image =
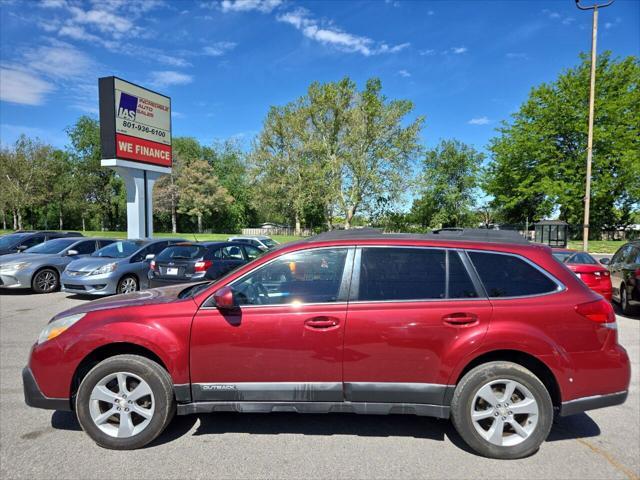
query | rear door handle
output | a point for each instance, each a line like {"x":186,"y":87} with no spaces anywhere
{"x":460,"y":318}
{"x":321,"y":323}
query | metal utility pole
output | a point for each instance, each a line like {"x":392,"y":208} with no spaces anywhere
{"x":592,"y":92}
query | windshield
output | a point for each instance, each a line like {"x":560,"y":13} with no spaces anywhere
{"x":182,"y":252}
{"x":120,"y":249}
{"x":269,"y":242}
{"x":52,"y":246}
{"x":7,"y":241}
{"x":194,"y":289}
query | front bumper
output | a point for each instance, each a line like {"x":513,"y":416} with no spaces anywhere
{"x":89,"y":284}
{"x":34,"y":397}
{"x":580,"y":405}
{"x":16,"y":279}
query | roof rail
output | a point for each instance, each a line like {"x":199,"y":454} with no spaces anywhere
{"x":462,"y":234}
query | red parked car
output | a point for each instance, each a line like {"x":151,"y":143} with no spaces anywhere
{"x":476,"y":326}
{"x":588,"y":269}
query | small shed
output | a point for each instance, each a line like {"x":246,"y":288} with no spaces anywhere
{"x":552,"y":232}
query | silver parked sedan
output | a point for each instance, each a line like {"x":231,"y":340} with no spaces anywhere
{"x":121,"y":267}
{"x":40,"y":267}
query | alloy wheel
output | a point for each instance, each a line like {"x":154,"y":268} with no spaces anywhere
{"x":46,"y":281}
{"x":504,"y":412}
{"x":121,"y":404}
{"x":128,"y":285}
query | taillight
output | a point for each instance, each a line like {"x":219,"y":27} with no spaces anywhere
{"x":152,"y":265}
{"x":203,"y":265}
{"x":637,"y":273}
{"x":599,"y":311}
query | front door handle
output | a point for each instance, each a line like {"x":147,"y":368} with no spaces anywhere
{"x":460,"y":318}
{"x":321,"y":323}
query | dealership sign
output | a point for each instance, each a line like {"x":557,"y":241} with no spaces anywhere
{"x":135,"y":123}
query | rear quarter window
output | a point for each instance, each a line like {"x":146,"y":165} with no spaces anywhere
{"x":510,"y":276}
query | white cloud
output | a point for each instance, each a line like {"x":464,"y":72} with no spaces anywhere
{"x":479,"y":121}
{"x":404,"y":73}
{"x":459,"y":50}
{"x":53,"y":3}
{"x":218,"y":49}
{"x":427,"y":52}
{"x":22,"y":87}
{"x":264,"y":6}
{"x":517,"y":56}
{"x":77,"y":33}
{"x":167,"y":78}
{"x":58,"y":60}
{"x":568,"y":20}
{"x":331,"y":35}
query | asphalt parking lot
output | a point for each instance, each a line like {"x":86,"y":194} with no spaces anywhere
{"x":45,"y":444}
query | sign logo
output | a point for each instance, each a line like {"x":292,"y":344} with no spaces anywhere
{"x":128,"y":106}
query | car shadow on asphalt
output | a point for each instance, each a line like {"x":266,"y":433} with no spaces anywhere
{"x":564,"y":428}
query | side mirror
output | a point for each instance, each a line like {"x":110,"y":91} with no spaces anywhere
{"x":150,"y":256}
{"x":605,"y":261}
{"x":71,"y":253}
{"x":224,"y":299}
{"x":21,"y":248}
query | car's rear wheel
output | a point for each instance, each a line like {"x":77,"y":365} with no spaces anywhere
{"x":502,"y":410}
{"x":128,"y":284}
{"x":125,"y":402}
{"x":624,"y":301}
{"x":45,"y":281}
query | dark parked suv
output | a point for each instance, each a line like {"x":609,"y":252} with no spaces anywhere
{"x":480,"y":327}
{"x":192,"y":262}
{"x":625,"y":276}
{"x":21,"y":240}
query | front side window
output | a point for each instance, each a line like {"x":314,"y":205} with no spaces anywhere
{"x":31,"y":242}
{"x":85,"y":248}
{"x":232,"y":252}
{"x":510,"y":276}
{"x":252,"y":252}
{"x":310,"y":276}
{"x":402,"y":274}
{"x":52,"y":246}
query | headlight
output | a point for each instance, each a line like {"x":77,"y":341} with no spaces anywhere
{"x":108,"y":268}
{"x":58,"y":326}
{"x":13,"y":267}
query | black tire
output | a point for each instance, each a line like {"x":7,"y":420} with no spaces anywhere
{"x":466,"y":391}
{"x":46,"y":280}
{"x":624,"y":301}
{"x":161,"y":386}
{"x":125,"y":281}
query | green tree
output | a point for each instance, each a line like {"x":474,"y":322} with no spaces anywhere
{"x":22,"y":170}
{"x":539,"y":157}
{"x":448,"y":186}
{"x":101,"y":189}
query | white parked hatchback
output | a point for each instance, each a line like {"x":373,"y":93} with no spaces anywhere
{"x":262,"y":242}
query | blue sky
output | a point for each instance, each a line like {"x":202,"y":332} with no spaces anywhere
{"x":465,"y":64}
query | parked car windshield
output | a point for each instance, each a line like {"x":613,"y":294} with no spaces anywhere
{"x":182,"y":252}
{"x":120,"y":249}
{"x":269,"y":242}
{"x":52,"y":246}
{"x":7,"y":241}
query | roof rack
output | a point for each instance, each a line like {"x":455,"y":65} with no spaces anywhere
{"x":462,"y":234}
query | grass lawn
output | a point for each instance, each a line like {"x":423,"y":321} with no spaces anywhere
{"x":201,"y":237}
{"x":598,"y":246}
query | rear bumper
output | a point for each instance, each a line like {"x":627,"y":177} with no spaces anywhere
{"x":580,"y":405}
{"x":163,"y":282}
{"x":34,"y":397}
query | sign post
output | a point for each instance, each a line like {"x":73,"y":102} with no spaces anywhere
{"x":135,"y":137}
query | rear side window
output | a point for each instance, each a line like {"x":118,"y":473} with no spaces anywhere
{"x":232,"y":252}
{"x":402,"y":274}
{"x":510,"y":276}
{"x":182,"y":252}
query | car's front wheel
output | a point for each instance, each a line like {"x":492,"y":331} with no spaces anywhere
{"x":45,"y":281}
{"x":128,"y":284}
{"x":502,"y":410}
{"x":125,"y":402}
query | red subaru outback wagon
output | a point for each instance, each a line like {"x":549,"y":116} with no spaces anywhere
{"x":478,"y":326}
